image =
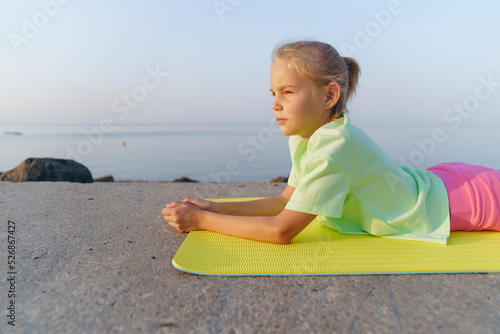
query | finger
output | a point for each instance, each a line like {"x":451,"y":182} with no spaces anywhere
{"x":167,"y":211}
{"x":169,"y":214}
{"x":174,"y":225}
{"x":181,"y":205}
{"x":173,"y":204}
{"x":177,"y":204}
{"x":193,"y":201}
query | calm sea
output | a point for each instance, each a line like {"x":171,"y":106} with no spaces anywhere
{"x":254,"y":153}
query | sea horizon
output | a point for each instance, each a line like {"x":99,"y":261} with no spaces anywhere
{"x":225,"y":152}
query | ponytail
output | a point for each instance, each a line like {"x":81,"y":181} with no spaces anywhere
{"x":353,"y":71}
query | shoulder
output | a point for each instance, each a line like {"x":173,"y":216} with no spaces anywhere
{"x":330,"y":137}
{"x":340,"y":136}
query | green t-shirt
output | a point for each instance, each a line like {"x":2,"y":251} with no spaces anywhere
{"x":342,"y":176}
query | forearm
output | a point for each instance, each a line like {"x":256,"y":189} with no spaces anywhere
{"x":269,"y":206}
{"x":266,"y":229}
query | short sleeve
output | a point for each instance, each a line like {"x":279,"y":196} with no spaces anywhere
{"x":322,"y":189}
{"x":293,"y":181}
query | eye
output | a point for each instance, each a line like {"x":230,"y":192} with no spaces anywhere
{"x":287,"y":92}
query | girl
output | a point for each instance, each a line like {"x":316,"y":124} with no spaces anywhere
{"x":339,"y":175}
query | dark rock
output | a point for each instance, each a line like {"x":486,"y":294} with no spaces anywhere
{"x":107,"y":178}
{"x":185,"y":179}
{"x":279,"y":179}
{"x":48,"y":169}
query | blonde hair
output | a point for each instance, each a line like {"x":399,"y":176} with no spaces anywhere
{"x":319,"y":63}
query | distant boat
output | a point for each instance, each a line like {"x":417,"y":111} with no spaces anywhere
{"x":13,"y":133}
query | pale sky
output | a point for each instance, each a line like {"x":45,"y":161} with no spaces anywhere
{"x":81,"y":61}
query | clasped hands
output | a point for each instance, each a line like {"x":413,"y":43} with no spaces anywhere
{"x":186,"y":216}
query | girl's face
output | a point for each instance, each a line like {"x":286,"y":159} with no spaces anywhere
{"x":297,"y":109}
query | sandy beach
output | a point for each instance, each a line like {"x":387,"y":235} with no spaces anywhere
{"x":95,"y":258}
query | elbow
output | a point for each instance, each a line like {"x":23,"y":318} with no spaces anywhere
{"x":283,"y":236}
{"x":282,"y":240}
{"x":285,"y":241}
{"x":284,"y":230}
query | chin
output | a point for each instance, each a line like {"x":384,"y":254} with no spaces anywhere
{"x":285,"y":132}
{"x":289,"y":132}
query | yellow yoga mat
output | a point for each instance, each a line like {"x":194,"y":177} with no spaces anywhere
{"x":318,"y":250}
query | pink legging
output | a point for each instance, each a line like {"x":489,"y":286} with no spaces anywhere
{"x":473,"y":194}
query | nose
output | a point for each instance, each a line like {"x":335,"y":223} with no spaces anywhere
{"x":276,"y":106}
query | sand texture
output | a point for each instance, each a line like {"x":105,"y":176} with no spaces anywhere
{"x":96,"y":258}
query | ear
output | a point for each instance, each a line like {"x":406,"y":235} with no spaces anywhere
{"x":332,"y":94}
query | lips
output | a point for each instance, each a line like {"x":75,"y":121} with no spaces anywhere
{"x":280,"y":120}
